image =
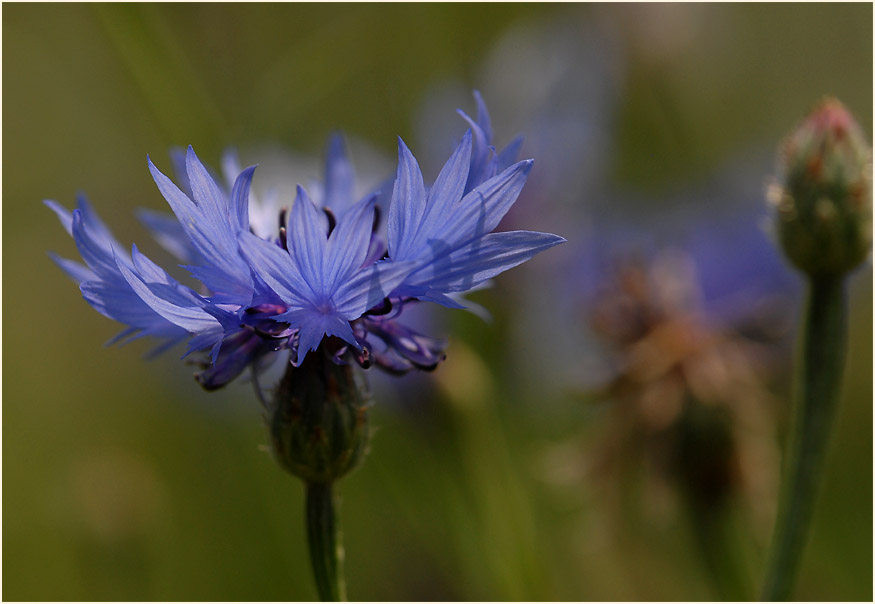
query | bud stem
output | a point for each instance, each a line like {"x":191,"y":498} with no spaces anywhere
{"x":819,"y":374}
{"x":324,"y":539}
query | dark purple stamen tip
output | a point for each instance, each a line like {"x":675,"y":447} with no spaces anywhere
{"x":383,"y":308}
{"x":283,"y":217}
{"x":364,"y":357}
{"x":284,"y":239}
{"x":332,"y":220}
{"x":377,"y":215}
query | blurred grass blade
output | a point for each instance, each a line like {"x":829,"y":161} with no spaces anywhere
{"x":169,"y":83}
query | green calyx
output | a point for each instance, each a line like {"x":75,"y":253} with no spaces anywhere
{"x":824,"y":203}
{"x":318,"y":421}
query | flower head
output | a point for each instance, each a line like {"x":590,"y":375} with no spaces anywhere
{"x":689,"y":398}
{"x":322,"y":274}
{"x":824,"y":201}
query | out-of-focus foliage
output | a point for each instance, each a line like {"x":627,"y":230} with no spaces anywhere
{"x":124,"y":480}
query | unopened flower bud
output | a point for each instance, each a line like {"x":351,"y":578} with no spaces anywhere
{"x":318,"y":420}
{"x":824,"y":202}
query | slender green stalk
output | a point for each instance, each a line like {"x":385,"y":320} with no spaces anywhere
{"x":824,"y":339}
{"x":323,"y":537}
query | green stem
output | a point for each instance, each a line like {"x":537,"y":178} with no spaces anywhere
{"x":819,"y":375}
{"x":323,"y":537}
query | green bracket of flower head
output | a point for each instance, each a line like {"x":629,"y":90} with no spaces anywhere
{"x":824,"y":204}
{"x":824,"y":224}
{"x":318,"y":421}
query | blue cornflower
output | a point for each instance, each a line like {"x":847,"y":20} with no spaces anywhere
{"x":324,"y":282}
{"x":323,"y":274}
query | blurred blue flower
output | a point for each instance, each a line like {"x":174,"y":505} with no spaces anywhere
{"x":321,"y":273}
{"x":719,"y":224}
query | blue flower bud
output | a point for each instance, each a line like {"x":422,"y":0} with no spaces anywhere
{"x":824,"y":201}
{"x":318,"y":420}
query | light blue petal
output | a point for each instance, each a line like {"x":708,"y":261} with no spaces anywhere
{"x":510,"y":153}
{"x":313,"y":326}
{"x":339,"y":177}
{"x":210,"y":231}
{"x":202,"y":341}
{"x":240,"y":199}
{"x":277,"y":269}
{"x":162,"y":347}
{"x":408,"y":202}
{"x":177,"y":163}
{"x":230,"y":166}
{"x":482,"y":259}
{"x":117,"y":301}
{"x":482,"y":209}
{"x":480,"y":155}
{"x":483,"y":117}
{"x":96,"y":251}
{"x":369,"y":286}
{"x":442,"y":197}
{"x":307,"y":240}
{"x":126,"y":335}
{"x":173,"y":304}
{"x":147,"y":270}
{"x":474,"y":308}
{"x":347,"y":245}
{"x":75,"y":270}
{"x":442,"y":299}
{"x":336,"y":326}
{"x":204,"y":190}
{"x":169,"y":234}
{"x":63,"y":213}
{"x":95,"y":225}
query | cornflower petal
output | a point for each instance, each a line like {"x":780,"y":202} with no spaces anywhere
{"x":482,"y":160}
{"x":483,"y":116}
{"x":468,"y":266}
{"x":347,"y":245}
{"x":117,"y":301}
{"x":207,"y":221}
{"x":408,"y":202}
{"x":339,"y":177}
{"x":230,"y":166}
{"x":75,"y":270}
{"x":205,"y":191}
{"x":307,"y":241}
{"x":313,"y":326}
{"x":100,"y":232}
{"x":483,"y":208}
{"x":485,"y":163}
{"x":370,"y":286}
{"x":168,"y":232}
{"x":240,"y":199}
{"x":443,"y":195}
{"x":96,"y":250}
{"x":168,"y":298}
{"x":64,"y":215}
{"x":276,"y":269}
{"x":509,"y":154}
{"x":101,"y":283}
{"x":177,"y":163}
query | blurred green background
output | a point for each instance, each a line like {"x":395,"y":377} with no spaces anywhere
{"x":124,"y":481}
